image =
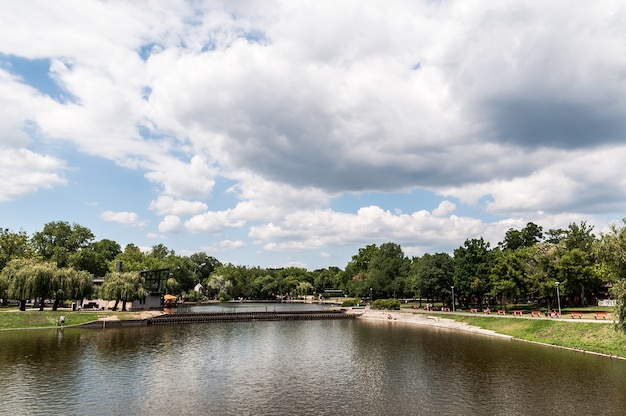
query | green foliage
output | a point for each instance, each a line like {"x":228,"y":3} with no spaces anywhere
{"x":434,"y":275}
{"x":390,"y":304}
{"x":13,"y":245}
{"x":472,"y":270}
{"x":527,"y":237}
{"x":349,"y":303}
{"x":618,"y":291}
{"x":124,"y":287}
{"x":32,"y":279}
{"x":59,"y":239}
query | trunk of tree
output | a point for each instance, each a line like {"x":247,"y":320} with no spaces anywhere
{"x":117,"y":301}
{"x":22,"y":304}
{"x":41,"y":304}
{"x":123,"y":305}
{"x":55,"y":305}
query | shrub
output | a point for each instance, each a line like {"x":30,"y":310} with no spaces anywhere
{"x":349,"y":302}
{"x":393,"y":304}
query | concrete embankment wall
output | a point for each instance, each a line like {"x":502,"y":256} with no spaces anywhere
{"x":188,"y":318}
{"x":192,"y":318}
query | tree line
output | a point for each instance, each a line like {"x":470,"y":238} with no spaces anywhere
{"x":60,"y":262}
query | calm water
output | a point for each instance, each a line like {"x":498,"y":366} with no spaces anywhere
{"x":345,"y":367}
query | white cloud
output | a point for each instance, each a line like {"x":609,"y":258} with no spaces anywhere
{"x":444,"y":209}
{"x":123,"y":217}
{"x":225,"y":245}
{"x":23,"y":172}
{"x":506,"y":107}
{"x":164,"y":205}
{"x":170,"y":224}
{"x":312,"y":230}
{"x":213,"y":222}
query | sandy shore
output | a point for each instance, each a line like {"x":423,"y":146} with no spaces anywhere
{"x":425,"y":319}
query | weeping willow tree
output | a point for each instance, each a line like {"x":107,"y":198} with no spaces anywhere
{"x":124,"y":287}
{"x":13,"y":280}
{"x":24,"y":279}
{"x":70,"y":283}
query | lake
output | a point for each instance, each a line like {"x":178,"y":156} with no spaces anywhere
{"x":343,"y":367}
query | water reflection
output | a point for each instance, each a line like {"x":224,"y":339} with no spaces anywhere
{"x":299,"y":367}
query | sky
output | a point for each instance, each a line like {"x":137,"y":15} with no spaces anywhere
{"x":293,"y":133}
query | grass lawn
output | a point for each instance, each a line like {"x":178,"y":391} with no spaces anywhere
{"x":594,"y":337}
{"x":13,"y":319}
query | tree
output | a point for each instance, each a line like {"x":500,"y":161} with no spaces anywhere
{"x":530,"y":235}
{"x":203,"y":265}
{"x":124,"y":287}
{"x":356,"y":271}
{"x":434,"y":275}
{"x":611,"y":251}
{"x":24,"y":279}
{"x":618,"y":291}
{"x":132,"y":259}
{"x":388,"y":270}
{"x":59,"y":239}
{"x":13,"y":245}
{"x":14,"y":280}
{"x":472,"y":270}
{"x":70,"y":283}
{"x":220,"y":285}
{"x":97,"y":258}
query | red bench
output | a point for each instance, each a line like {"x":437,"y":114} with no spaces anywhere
{"x":501,"y":312}
{"x":554,"y":314}
{"x":602,"y":315}
{"x":576,"y":315}
{"x":473,"y":310}
{"x":535,"y":314}
{"x":446,"y":309}
{"x":517,"y":313}
{"x":487,"y":311}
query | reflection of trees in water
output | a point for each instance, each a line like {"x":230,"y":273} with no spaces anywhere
{"x":48,"y":352}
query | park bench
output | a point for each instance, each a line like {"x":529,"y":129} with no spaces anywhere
{"x":501,"y":312}
{"x":602,"y":315}
{"x":446,"y":309}
{"x":517,"y":313}
{"x":554,"y":314}
{"x":535,"y":314}
{"x":577,"y":315}
{"x":487,"y":311}
{"x":474,"y":310}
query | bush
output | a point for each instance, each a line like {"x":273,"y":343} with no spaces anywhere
{"x":223,"y":297}
{"x":393,"y":304}
{"x":349,"y":302}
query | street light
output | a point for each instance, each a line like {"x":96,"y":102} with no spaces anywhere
{"x":371,"y":296}
{"x":452,"y":298}
{"x":558,"y":297}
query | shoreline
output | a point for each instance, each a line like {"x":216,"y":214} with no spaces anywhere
{"x":428,"y":320}
{"x":412,"y":318}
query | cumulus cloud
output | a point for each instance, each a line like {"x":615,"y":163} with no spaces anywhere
{"x":312,"y":230}
{"x":165,"y":204}
{"x":509,"y":108}
{"x":170,"y":224}
{"x":225,"y":245}
{"x":123,"y":217}
{"x":23,"y":172}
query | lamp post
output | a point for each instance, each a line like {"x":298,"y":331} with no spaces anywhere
{"x":452,"y":298}
{"x":371,"y":296}
{"x":558,"y":297}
